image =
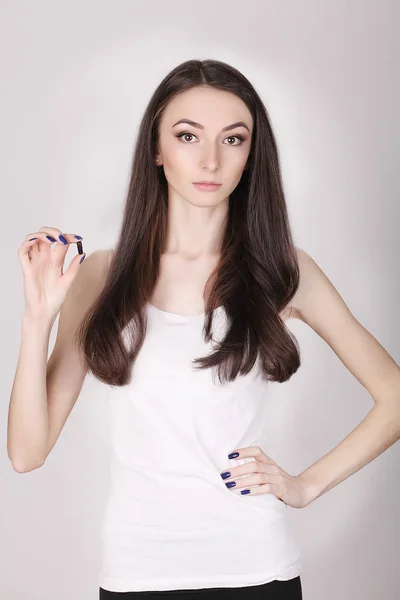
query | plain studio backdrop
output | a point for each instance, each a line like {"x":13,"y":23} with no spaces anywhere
{"x":75,"y":80}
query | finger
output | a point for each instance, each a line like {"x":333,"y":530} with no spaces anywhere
{"x":61,"y":248}
{"x":30,"y":244}
{"x":72,"y":238}
{"x":276,"y":489}
{"x":41,"y":241}
{"x":59,"y":236}
{"x":265,"y":488}
{"x":259,"y":470}
{"x":250,"y":452}
{"x":254,"y":479}
{"x":54,"y":234}
{"x":73,"y":267}
{"x":253,"y":466}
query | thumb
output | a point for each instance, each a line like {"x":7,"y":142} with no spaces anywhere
{"x":74,"y":266}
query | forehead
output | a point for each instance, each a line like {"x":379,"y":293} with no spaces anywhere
{"x":211,"y":107}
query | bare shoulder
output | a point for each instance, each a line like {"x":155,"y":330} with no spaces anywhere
{"x":92,"y":275}
{"x":289,"y":311}
{"x":317,"y":302}
{"x":104,"y":256}
{"x":108,"y":254}
{"x":311,"y":277}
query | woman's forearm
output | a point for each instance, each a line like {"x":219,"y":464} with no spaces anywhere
{"x":28,"y":415}
{"x":376,"y":432}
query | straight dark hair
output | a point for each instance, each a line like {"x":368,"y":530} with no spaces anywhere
{"x":257,"y":274}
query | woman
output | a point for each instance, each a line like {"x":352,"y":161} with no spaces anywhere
{"x":188,"y":329}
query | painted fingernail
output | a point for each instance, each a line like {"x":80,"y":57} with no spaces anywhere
{"x":225,"y":475}
{"x":50,"y":238}
{"x":230,"y":484}
{"x":78,"y":237}
{"x":245,"y":492}
{"x":82,"y":259}
{"x":233,"y":455}
{"x":62,"y":238}
{"x":32,"y":239}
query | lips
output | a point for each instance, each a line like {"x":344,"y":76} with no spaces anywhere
{"x":207,"y":186}
{"x":208,"y":181}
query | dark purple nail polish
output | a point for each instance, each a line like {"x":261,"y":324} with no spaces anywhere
{"x":50,"y":238}
{"x":62,"y":238}
{"x":32,"y":239}
{"x":230,"y":484}
{"x":78,"y":237}
{"x":225,"y":475}
{"x":82,"y":259}
{"x":233,"y":455}
{"x":245,"y":492}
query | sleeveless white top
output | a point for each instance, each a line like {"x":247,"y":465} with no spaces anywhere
{"x":170,"y":521}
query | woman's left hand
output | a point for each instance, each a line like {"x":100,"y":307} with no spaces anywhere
{"x":269,"y":478}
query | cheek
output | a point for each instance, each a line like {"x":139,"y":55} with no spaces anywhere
{"x":175,"y":170}
{"x":234,"y":159}
{"x":176,"y":158}
{"x":238,"y":166}
{"x":241,"y":160}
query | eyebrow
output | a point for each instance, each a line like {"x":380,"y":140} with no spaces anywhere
{"x":199,"y":126}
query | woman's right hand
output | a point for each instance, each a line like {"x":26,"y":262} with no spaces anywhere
{"x":45,"y":284}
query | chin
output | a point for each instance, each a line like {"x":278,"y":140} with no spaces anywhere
{"x":206,"y":201}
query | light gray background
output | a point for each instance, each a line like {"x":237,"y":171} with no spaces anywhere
{"x":75,"y":79}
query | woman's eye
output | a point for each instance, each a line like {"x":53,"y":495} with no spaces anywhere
{"x":238,"y":137}
{"x":180,"y":136}
{"x":231,"y":137}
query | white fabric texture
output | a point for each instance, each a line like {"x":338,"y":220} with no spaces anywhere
{"x":170,"y":521}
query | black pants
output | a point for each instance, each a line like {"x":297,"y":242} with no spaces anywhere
{"x":273,"y":590}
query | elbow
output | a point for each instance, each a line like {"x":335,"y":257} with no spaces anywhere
{"x":25,"y":468}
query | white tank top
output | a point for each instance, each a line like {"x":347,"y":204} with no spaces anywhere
{"x":170,"y":521}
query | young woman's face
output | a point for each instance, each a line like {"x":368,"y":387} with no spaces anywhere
{"x":201,"y":150}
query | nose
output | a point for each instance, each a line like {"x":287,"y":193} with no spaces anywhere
{"x":210,"y":158}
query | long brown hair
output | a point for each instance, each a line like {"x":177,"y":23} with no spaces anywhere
{"x":257,"y":274}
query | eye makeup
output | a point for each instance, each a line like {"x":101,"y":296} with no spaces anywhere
{"x":237,"y":135}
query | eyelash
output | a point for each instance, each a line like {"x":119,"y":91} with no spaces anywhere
{"x":240,"y":137}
